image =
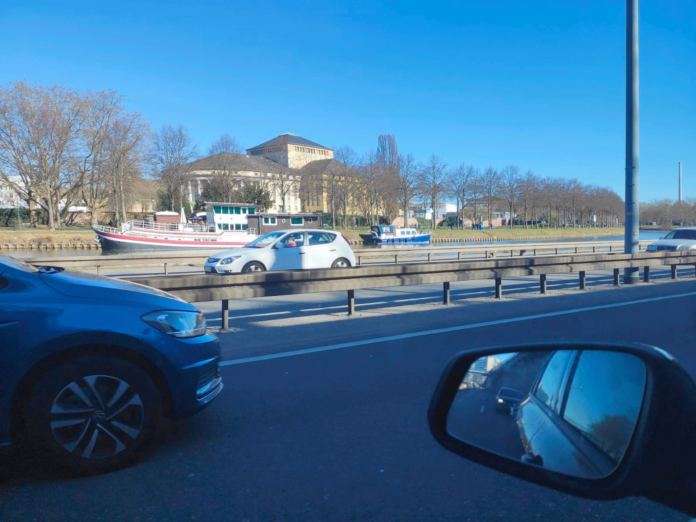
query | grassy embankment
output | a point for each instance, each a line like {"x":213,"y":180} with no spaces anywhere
{"x":42,"y":235}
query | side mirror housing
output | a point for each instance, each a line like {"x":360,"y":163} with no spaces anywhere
{"x":606,"y":420}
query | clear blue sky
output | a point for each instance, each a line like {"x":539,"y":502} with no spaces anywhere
{"x":488,"y":82}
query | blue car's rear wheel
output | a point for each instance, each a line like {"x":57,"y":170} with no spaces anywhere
{"x":94,"y":413}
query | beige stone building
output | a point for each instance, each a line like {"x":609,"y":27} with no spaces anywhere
{"x":291,"y":150}
{"x":278,"y":165}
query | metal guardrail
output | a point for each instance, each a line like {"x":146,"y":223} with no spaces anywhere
{"x":390,"y":254}
{"x":202,"y":288}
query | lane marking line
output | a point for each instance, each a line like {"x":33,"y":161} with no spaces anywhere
{"x":450,"y":329}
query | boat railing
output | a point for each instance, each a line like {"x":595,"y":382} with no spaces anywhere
{"x":153,"y":226}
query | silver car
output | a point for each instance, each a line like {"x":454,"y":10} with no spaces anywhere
{"x":677,"y":239}
{"x":286,"y":250}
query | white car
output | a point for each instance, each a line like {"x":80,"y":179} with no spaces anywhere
{"x":286,"y":250}
{"x":677,"y":239}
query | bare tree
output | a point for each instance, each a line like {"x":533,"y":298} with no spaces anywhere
{"x":224,"y":156}
{"x":369,"y":187}
{"x":476,"y":186}
{"x":490,"y":182}
{"x":127,"y":148}
{"x":97,"y":136}
{"x":283,"y":182}
{"x":173,"y":151}
{"x":459,"y":180}
{"x":510,"y":188}
{"x":39,"y":134}
{"x":409,"y":177}
{"x":388,"y":162}
{"x":348,"y":160}
{"x":432,"y":184}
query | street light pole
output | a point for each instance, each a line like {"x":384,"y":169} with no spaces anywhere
{"x":631,"y":275}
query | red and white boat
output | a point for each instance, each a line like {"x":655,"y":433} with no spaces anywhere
{"x":224,"y":227}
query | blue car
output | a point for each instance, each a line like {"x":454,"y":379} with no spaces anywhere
{"x":91,"y":366}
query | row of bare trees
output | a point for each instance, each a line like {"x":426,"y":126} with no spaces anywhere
{"x":386,"y":183}
{"x":667,"y":213}
{"x":60,"y":146}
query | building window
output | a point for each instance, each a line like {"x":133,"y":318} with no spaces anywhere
{"x":245,"y":226}
{"x":217,"y":210}
{"x":252,"y":210}
{"x":225,"y":210}
{"x":269,"y":221}
{"x":225,"y":226}
{"x":237,"y":210}
{"x":244,"y":210}
{"x":238,"y":226}
{"x":219,"y":226}
{"x":296,"y":220}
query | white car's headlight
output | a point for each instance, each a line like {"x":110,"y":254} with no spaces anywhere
{"x":228,"y":260}
{"x":177,"y":324}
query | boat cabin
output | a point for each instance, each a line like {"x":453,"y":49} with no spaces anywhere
{"x":266,"y":222}
{"x":229,"y":217}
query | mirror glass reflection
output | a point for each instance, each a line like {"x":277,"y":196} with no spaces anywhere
{"x":569,"y":411}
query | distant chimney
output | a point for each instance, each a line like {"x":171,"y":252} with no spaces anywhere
{"x":680,"y":183}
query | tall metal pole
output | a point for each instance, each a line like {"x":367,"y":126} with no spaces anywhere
{"x":680,"y":183}
{"x":631,"y":275}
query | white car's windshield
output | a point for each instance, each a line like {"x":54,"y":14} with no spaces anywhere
{"x":681,"y":234}
{"x":264,"y":241}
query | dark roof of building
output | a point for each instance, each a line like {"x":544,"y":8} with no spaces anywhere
{"x":288,"y":139}
{"x":320,"y":167}
{"x":232,"y":161}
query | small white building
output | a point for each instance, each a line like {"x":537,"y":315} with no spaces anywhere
{"x":441,"y":211}
{"x":8,"y":197}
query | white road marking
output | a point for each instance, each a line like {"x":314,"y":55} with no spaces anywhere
{"x":450,"y":329}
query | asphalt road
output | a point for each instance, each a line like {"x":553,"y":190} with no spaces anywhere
{"x":324,"y":417}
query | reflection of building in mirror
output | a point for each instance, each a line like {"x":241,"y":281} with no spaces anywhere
{"x":476,"y":376}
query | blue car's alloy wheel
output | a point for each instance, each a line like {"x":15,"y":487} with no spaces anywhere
{"x":93,"y":413}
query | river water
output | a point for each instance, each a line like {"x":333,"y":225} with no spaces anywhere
{"x":644,"y":235}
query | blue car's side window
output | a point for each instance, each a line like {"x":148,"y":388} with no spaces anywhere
{"x":547,"y":391}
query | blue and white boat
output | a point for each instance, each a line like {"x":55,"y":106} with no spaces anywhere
{"x":390,"y":234}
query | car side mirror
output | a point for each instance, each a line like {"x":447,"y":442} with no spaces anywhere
{"x":600,"y":421}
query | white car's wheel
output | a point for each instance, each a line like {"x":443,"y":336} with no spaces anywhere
{"x":254,"y":267}
{"x":341,"y":262}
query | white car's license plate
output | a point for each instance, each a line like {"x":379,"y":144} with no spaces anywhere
{"x":208,"y":268}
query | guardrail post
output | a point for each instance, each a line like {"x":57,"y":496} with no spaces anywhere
{"x":556,"y":251}
{"x":498,"y":287}
{"x":446,"y":293}
{"x":646,"y":274}
{"x":594,"y":249}
{"x":535,"y":252}
{"x":225,"y":315}
{"x":458,"y":258}
{"x":542,"y":283}
{"x":616,"y":277}
{"x":428,"y":257}
{"x":582,"y":279}
{"x":97,"y":269}
{"x":576,"y":250}
{"x":396,"y":259}
{"x":358,"y":260}
{"x":351,"y":302}
{"x":165,"y":268}
{"x":674,"y":271}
